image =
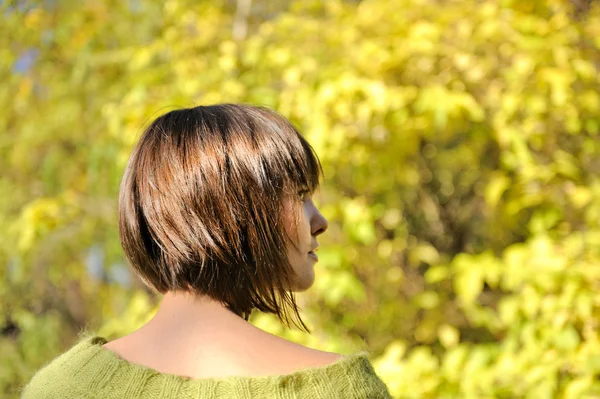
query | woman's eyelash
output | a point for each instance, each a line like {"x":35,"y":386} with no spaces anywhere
{"x":302,"y":193}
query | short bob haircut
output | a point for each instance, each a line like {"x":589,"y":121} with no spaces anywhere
{"x":201,"y":206}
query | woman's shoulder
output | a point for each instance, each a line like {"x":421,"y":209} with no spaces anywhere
{"x":273,"y":355}
{"x":308,"y":372}
{"x":51,"y":380}
{"x":338,"y":376}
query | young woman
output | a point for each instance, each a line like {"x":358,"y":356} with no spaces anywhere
{"x":216,"y":214}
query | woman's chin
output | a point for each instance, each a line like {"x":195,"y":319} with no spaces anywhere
{"x":304,"y":282}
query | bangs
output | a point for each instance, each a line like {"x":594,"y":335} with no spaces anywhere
{"x":305,"y":168}
{"x":291,"y":159}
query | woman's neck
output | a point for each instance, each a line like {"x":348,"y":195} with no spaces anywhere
{"x":183,"y":311}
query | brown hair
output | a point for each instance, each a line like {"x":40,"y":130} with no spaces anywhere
{"x":201,"y":205}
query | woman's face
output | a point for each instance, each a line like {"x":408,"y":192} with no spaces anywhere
{"x":302,"y":243}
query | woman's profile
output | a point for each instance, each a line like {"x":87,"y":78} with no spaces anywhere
{"x":216,"y":214}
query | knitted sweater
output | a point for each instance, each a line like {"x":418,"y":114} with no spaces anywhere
{"x":90,"y":371}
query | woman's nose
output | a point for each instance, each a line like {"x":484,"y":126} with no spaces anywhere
{"x":319,"y":223}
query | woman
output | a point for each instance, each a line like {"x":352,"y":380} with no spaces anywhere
{"x":216,"y":214}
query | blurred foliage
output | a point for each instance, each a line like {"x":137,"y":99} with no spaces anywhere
{"x":461,"y":146}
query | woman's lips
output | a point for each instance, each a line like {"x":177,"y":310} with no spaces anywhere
{"x":313,"y":254}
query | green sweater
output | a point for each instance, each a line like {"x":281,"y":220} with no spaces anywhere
{"x":90,"y":371}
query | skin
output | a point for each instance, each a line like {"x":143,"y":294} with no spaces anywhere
{"x":200,"y":338}
{"x":303,"y":233}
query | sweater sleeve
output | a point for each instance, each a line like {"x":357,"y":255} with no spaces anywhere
{"x":44,"y":385}
{"x":364,"y":383}
{"x":54,"y":381}
{"x":351,"y":378}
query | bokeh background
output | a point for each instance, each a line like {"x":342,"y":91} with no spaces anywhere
{"x":461,"y":146}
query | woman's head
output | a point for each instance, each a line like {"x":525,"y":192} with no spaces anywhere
{"x":215,"y":200}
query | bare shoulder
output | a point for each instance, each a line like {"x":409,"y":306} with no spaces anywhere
{"x":318,"y":358}
{"x":280,"y":356}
